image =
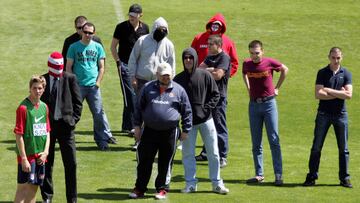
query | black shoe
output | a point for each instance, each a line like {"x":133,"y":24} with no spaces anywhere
{"x":278,"y":180}
{"x":346,"y":183}
{"x":309,"y":181}
{"x":112,"y":140}
{"x":104,"y":148}
{"x":200,"y":157}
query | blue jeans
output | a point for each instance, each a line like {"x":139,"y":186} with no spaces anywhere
{"x":322,"y":125}
{"x":102,"y":131}
{"x":219,"y":116}
{"x":260,"y":113}
{"x":128,"y":96}
{"x":209,"y":137}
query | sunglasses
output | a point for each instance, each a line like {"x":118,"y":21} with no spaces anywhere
{"x":88,"y":33}
{"x":338,"y":58}
{"x":255,"y":53}
{"x":79,"y":28}
{"x":188,"y":57}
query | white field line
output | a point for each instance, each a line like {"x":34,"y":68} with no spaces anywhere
{"x":118,"y":10}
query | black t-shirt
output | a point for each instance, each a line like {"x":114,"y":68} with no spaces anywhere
{"x":220,"y":60}
{"x":327,"y":78}
{"x":127,"y":37}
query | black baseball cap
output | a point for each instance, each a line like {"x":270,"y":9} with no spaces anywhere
{"x":135,"y":9}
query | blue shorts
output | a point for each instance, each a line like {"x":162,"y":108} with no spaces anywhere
{"x":35,"y":177}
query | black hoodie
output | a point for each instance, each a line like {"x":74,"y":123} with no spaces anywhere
{"x":200,"y":87}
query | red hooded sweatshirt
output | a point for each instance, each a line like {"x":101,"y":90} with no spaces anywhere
{"x":200,"y":43}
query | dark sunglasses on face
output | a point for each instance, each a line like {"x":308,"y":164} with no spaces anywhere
{"x":79,"y":28}
{"x":188,"y":57}
{"x":255,"y":53}
{"x":88,"y":33}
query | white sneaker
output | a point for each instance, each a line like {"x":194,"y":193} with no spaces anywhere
{"x":161,"y":194}
{"x":189,"y":189}
{"x":221,"y":189}
{"x":135,"y":146}
{"x":179,"y":147}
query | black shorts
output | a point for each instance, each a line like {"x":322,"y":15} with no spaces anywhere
{"x":35,"y":177}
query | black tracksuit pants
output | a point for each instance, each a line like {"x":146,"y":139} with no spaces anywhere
{"x":153,"y":141}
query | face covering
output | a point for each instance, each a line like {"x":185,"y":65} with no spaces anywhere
{"x":215,"y":28}
{"x":159,"y":34}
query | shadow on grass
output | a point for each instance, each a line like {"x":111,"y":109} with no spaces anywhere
{"x":94,"y":148}
{"x":6,"y":201}
{"x":115,"y":133}
{"x":289,"y":185}
{"x":113,"y":194}
{"x":8,"y":141}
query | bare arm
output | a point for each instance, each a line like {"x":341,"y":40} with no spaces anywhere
{"x":114,"y":44}
{"x":21,"y":146}
{"x":283,"y":72}
{"x":69,"y":65}
{"x":344,"y":93}
{"x":101,"y":65}
{"x":217,"y":73}
{"x":44,"y":154}
{"x":320,"y":93}
{"x":246,"y":81}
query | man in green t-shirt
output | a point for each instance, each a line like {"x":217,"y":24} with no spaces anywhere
{"x":32,"y":141}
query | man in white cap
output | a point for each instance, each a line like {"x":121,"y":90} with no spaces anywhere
{"x":160,"y":106}
{"x":62,"y":95}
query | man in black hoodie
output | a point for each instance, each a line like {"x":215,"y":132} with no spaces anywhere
{"x":203,"y":94}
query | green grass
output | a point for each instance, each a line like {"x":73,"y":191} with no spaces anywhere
{"x":298,"y":33}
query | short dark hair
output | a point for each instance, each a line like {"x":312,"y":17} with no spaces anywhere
{"x":255,"y":43}
{"x":335,"y":49}
{"x":89,"y":24}
{"x":216,"y":39}
{"x":80,"y":19}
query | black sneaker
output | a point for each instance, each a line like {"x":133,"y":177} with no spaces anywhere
{"x":112,"y":140}
{"x":346,"y":183}
{"x":310,"y":181}
{"x":200,"y":157}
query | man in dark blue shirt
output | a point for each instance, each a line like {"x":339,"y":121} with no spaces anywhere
{"x":333,"y":87}
{"x":160,"y":106}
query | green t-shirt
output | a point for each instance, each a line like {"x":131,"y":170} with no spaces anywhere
{"x":86,"y":59}
{"x":35,"y":132}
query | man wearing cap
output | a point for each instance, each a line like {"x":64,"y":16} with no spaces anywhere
{"x":62,"y":95}
{"x":86,"y":59}
{"x":125,"y":36}
{"x":258,"y":77}
{"x":160,"y":106}
{"x":79,"y":23}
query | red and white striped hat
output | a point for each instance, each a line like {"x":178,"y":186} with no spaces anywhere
{"x":56,"y":64}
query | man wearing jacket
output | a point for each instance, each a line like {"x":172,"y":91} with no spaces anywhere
{"x":160,"y":106}
{"x":149,"y":51}
{"x":62,"y":95}
{"x":216,"y":26}
{"x":203,"y":94}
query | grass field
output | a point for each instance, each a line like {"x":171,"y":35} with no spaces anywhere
{"x":298,"y":33}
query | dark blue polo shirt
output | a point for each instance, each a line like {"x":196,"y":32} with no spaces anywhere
{"x":336,"y":81}
{"x":127,"y":37}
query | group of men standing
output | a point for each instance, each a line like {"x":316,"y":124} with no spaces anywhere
{"x":156,"y":99}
